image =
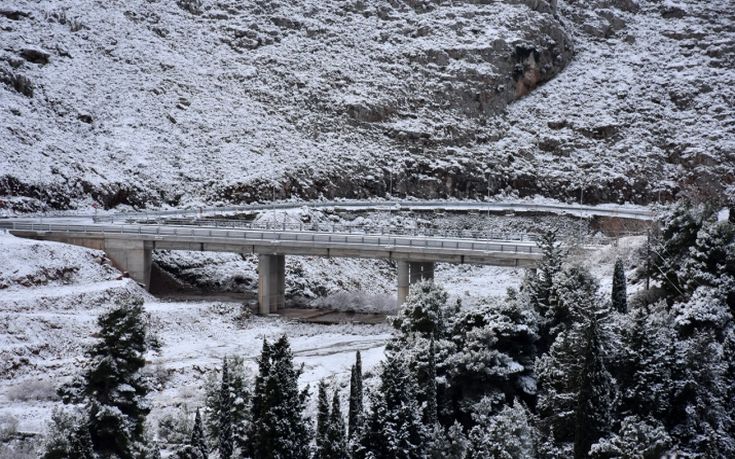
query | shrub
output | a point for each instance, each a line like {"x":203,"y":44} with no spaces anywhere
{"x":192,"y":6}
{"x":32,"y":391}
{"x":20,"y":83}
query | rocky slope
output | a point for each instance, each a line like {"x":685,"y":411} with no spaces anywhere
{"x":150,"y":103}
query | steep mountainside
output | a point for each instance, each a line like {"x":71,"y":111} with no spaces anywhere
{"x":179,"y":102}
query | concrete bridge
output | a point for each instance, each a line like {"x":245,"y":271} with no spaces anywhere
{"x":129,"y":246}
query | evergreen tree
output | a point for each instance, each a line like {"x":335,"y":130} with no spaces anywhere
{"x":234,"y":398}
{"x":596,"y":392}
{"x":335,"y":446}
{"x":637,"y":438}
{"x":68,"y":437}
{"x":430,"y":411}
{"x":508,"y":434}
{"x":198,"y":439}
{"x":647,"y":361}
{"x":258,"y":434}
{"x":356,"y":408}
{"x":450,"y":443}
{"x":225,"y":443}
{"x":669,"y":251}
{"x":540,"y":285}
{"x":425,"y":313}
{"x":322,"y":420}
{"x":393,"y":428}
{"x":278,"y":427}
{"x":573,"y":379}
{"x":710,"y":261}
{"x":619,"y":288}
{"x":492,"y":355}
{"x":704,"y":419}
{"x":114,"y":384}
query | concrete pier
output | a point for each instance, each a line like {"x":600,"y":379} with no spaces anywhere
{"x":271,"y":283}
{"x":411,"y":272}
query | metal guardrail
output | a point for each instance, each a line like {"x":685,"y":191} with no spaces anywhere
{"x":277,"y":236}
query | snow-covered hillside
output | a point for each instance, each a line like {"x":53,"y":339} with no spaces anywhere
{"x":165,"y":102}
{"x":51,"y":296}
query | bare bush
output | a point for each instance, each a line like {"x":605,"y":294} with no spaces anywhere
{"x":8,"y":427}
{"x":32,"y":391}
{"x":74,"y":23}
{"x":175,"y":428}
{"x":357,"y":302}
{"x":192,"y":6}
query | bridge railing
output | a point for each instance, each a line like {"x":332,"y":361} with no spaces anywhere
{"x":157,"y":232}
{"x":341,"y":228}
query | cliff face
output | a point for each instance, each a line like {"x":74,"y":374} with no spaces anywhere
{"x":150,"y":103}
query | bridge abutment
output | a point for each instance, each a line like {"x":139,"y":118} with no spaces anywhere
{"x":271,"y":283}
{"x":131,"y":256}
{"x":409,"y":273}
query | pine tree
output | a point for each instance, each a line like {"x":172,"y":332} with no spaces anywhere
{"x":596,"y":392}
{"x":619,"y":289}
{"x":114,"y":384}
{"x":394,"y":428}
{"x":430,"y":412}
{"x":225,"y":443}
{"x":573,"y":380}
{"x":491,"y":354}
{"x":425,"y":313}
{"x":671,"y":249}
{"x":322,"y":420}
{"x":198,"y":440}
{"x":356,"y":397}
{"x":238,"y":405}
{"x":335,"y":446}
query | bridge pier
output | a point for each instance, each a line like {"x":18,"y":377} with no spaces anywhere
{"x":410,"y":272}
{"x":271,"y":283}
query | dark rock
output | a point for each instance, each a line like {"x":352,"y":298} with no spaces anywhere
{"x":85,"y":118}
{"x":14,"y":15}
{"x":35,"y":55}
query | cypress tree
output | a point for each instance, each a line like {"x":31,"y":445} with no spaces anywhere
{"x":322,"y":419}
{"x":279,"y":429}
{"x":430,"y":413}
{"x":619,"y":288}
{"x":225,"y":442}
{"x":258,"y":409}
{"x":593,"y":416}
{"x":198,"y":441}
{"x":541,"y":291}
{"x":355,"y":414}
{"x":336,"y":444}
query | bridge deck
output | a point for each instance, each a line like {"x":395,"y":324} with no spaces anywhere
{"x":304,"y":243}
